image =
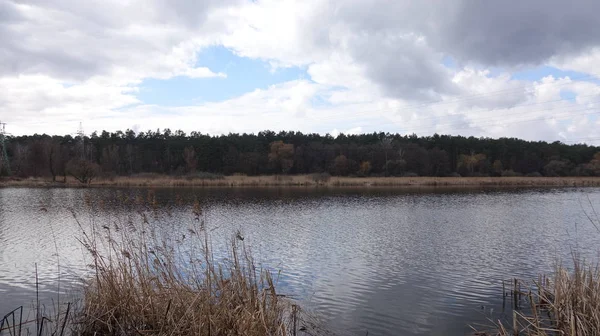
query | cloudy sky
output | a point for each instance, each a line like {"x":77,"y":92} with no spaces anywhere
{"x":485,"y":68}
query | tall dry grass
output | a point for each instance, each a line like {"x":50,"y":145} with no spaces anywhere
{"x":144,"y":279}
{"x":565,"y":303}
{"x":145,"y":284}
{"x":314,"y":180}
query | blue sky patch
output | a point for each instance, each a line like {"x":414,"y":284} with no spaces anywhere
{"x":449,"y":62}
{"x":243,"y":75}
{"x":568,"y":95}
{"x":537,"y":73}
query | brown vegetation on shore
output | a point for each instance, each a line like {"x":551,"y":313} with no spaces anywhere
{"x":315,"y":180}
{"x":144,"y":280}
{"x":565,"y":303}
{"x":147,"y":285}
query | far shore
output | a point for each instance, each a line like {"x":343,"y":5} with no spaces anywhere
{"x":307,"y":181}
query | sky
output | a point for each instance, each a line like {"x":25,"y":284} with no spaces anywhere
{"x":526,"y":69}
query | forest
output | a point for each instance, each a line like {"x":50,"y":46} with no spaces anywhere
{"x":377,"y":154}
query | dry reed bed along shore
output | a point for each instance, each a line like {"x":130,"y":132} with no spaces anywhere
{"x":311,"y":181}
{"x":145,"y":280}
{"x":149,"y":286}
{"x":566,"y":302}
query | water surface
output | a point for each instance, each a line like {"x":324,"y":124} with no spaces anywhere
{"x":390,"y":262}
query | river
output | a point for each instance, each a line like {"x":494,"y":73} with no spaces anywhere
{"x":382,"y":261}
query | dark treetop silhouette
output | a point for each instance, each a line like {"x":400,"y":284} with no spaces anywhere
{"x":267,"y":152}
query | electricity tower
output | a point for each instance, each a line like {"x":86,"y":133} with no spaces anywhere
{"x":4,"y":163}
{"x":81,"y":143}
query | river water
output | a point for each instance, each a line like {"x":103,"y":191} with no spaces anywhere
{"x":386,"y":262}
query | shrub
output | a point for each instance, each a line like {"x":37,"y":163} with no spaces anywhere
{"x":82,"y":170}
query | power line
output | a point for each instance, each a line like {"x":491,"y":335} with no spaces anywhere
{"x":471,"y":97}
{"x":492,"y":123}
{"x":487,"y":119}
{"x":4,"y":162}
{"x":498,"y":92}
{"x":481,"y":119}
{"x":582,"y":141}
{"x":579,"y":140}
{"x":358,"y":115}
{"x":81,"y":143}
{"x":444,"y":102}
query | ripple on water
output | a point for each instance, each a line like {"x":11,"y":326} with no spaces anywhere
{"x":386,"y":262}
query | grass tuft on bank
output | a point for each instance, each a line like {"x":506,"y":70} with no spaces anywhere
{"x":143,"y":284}
{"x":314,"y":180}
{"x":148,"y":279}
{"x":565,"y":303}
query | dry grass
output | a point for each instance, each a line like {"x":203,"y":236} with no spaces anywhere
{"x":145,"y":284}
{"x":148,"y":280}
{"x":565,"y":303}
{"x":466,"y":181}
{"x":568,"y":303}
{"x":155,"y":180}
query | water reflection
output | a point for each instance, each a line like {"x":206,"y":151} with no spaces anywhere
{"x":421,"y":262}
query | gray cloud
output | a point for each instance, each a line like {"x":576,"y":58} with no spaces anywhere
{"x":8,"y":12}
{"x":18,"y":59}
{"x":480,"y":33}
{"x":189,"y":12}
{"x":488,"y":32}
{"x":403,"y":66}
{"x":383,"y":39}
{"x":375,"y":50}
{"x":517,"y":32}
{"x":74,"y":40}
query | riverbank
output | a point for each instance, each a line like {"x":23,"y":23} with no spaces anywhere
{"x":143,"y":281}
{"x":308,"y":181}
{"x":562,"y":303}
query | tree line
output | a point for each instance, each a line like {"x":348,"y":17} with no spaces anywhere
{"x":375,"y":154}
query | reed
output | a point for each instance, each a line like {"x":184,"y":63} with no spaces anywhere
{"x":566,"y":303}
{"x":208,"y":180}
{"x":143,"y":284}
{"x":144,"y":279}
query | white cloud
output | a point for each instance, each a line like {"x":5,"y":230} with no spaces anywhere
{"x":588,"y":62}
{"x":75,"y":41}
{"x":373,"y":65}
{"x":488,"y":91}
{"x":38,"y":103}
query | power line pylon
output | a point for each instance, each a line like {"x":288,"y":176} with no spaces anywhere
{"x":81,"y":144}
{"x":4,"y":162}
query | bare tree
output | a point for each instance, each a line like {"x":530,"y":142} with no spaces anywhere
{"x":191,"y":161}
{"x":82,"y":170}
